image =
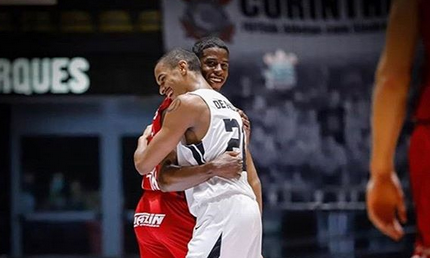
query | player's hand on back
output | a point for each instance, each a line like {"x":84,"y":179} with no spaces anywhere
{"x":145,"y":135}
{"x":147,"y":131}
{"x":143,"y":139}
{"x":246,"y":125}
{"x":228,"y":165}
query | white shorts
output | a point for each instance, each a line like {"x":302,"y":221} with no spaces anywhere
{"x":227,"y":228}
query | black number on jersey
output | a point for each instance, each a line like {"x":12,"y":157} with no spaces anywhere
{"x":235,"y":141}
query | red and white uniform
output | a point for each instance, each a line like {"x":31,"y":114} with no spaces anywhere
{"x":419,"y":151}
{"x":162,"y":222}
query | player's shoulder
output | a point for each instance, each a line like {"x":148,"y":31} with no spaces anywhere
{"x":191,"y":100}
{"x":186,"y":103}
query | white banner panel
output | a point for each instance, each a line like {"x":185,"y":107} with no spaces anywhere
{"x":308,"y":28}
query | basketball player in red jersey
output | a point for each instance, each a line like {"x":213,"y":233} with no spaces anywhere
{"x":163,"y":224}
{"x":385,"y":202}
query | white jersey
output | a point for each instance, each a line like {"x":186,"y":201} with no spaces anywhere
{"x":225,"y":133}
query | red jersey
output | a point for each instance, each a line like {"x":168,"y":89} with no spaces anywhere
{"x":162,"y":222}
{"x":423,"y":109}
{"x":149,"y":181}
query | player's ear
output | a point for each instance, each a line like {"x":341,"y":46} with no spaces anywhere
{"x":183,"y":67}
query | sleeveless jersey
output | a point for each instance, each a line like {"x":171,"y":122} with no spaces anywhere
{"x":225,"y":133}
{"x":423,"y":109}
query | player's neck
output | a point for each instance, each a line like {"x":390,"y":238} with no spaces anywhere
{"x":199,"y":83}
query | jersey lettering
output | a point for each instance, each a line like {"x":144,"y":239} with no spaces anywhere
{"x":234,"y":142}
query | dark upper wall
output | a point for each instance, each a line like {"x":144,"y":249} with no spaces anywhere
{"x":120,"y":39}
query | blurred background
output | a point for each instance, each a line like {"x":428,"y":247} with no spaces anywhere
{"x":77,"y":90}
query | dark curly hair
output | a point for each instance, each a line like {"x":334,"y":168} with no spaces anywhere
{"x":208,"y":42}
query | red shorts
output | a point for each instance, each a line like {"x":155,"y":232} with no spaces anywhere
{"x":163,"y":225}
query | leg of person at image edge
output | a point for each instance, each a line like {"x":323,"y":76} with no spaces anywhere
{"x":419,"y":156}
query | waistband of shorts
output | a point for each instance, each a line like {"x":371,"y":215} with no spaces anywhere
{"x":222,"y":197}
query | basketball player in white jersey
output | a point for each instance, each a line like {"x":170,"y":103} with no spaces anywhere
{"x":202,"y":124}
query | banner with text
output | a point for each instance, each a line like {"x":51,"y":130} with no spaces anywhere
{"x":309,"y":28}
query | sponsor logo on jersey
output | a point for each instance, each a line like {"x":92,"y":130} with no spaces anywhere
{"x":148,"y":219}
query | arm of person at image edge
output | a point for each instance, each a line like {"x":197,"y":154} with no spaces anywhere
{"x":384,"y":195}
{"x":253,"y":179}
{"x":171,"y":177}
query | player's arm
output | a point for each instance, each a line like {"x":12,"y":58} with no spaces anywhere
{"x":253,"y":179}
{"x":174,"y":178}
{"x":142,"y":144}
{"x":393,"y":76}
{"x":180,"y":116}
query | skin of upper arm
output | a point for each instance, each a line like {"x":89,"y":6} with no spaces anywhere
{"x":392,"y":84}
{"x":179,"y":117}
{"x":401,"y":39}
